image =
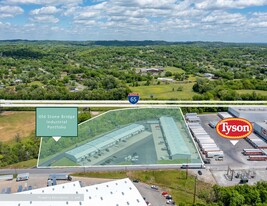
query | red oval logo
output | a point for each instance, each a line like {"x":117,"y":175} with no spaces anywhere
{"x":234,"y":128}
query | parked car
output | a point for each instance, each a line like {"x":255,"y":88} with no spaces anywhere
{"x":164,"y":193}
{"x":169,"y":197}
{"x":135,"y":180}
{"x":154,"y":187}
{"x":207,"y":161}
{"x":171,"y":202}
{"x":148,"y":203}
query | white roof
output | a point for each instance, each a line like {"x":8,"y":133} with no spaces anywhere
{"x":225,"y":115}
{"x":173,"y":135}
{"x":115,"y":193}
{"x":107,"y":139}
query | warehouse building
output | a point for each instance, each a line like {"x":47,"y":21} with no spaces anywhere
{"x":256,"y":141}
{"x":224,"y":115}
{"x":95,"y":146}
{"x":261,"y":129}
{"x":252,"y":114}
{"x":177,"y":147}
{"x":115,"y":193}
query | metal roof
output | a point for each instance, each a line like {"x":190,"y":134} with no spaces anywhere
{"x":105,"y":140}
{"x":173,"y":137}
{"x":224,"y":115}
{"x":259,"y":110}
{"x":262,"y":124}
{"x":115,"y":193}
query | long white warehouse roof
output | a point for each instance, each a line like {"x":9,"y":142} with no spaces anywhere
{"x":173,"y":136}
{"x":115,"y":193}
{"x":104,"y":140}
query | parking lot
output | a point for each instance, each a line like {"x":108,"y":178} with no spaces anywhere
{"x":38,"y":181}
{"x":233,"y":156}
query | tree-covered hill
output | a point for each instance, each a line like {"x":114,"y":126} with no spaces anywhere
{"x":111,"y":69}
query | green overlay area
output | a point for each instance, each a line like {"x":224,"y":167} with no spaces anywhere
{"x":124,"y":137}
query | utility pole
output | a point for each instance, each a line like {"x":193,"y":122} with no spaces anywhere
{"x":195,"y":190}
{"x":187,"y":169}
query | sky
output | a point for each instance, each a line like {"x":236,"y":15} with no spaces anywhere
{"x":169,"y":20}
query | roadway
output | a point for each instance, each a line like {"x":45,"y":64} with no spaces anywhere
{"x":125,"y":103}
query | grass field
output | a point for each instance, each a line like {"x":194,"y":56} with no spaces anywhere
{"x":64,"y":162}
{"x":172,"y":181}
{"x":244,"y":91}
{"x":23,"y":165}
{"x":174,"y":70}
{"x":164,"y":91}
{"x":38,"y":83}
{"x":16,"y":123}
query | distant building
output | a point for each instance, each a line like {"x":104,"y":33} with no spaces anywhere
{"x":114,"y":193}
{"x":151,"y":70}
{"x":252,"y":114}
{"x":166,"y":79}
{"x":17,"y":81}
{"x":209,"y":75}
{"x":74,"y":90}
{"x":2,"y":86}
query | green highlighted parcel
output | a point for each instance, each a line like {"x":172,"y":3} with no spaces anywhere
{"x":124,"y":137}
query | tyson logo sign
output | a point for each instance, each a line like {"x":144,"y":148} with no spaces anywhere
{"x":234,"y":128}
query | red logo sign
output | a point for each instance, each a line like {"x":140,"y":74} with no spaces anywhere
{"x":234,"y":128}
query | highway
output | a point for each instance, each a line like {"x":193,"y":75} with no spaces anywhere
{"x":125,"y":103}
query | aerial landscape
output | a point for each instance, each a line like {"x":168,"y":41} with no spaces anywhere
{"x":142,"y":102}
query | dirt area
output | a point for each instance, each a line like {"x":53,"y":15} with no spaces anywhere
{"x":7,"y":113}
{"x":206,"y":175}
{"x":95,"y":113}
{"x":16,"y":123}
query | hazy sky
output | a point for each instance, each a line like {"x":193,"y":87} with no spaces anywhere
{"x":170,"y":20}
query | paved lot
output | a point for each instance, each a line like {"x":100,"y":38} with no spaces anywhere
{"x":152,"y":196}
{"x":233,"y":156}
{"x":261,"y":175}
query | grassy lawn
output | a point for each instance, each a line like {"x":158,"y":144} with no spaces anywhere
{"x":23,"y":165}
{"x":164,"y":91}
{"x":174,"y":70}
{"x":65,"y":162}
{"x":36,"y":83}
{"x":245,"y":91}
{"x":16,"y":123}
{"x":192,"y":78}
{"x":173,"y":181}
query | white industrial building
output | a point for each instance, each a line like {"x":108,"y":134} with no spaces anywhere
{"x":176,"y":145}
{"x":256,"y":141}
{"x":104,"y":142}
{"x":252,"y":114}
{"x":261,"y":129}
{"x":224,"y":115}
{"x":115,"y":193}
